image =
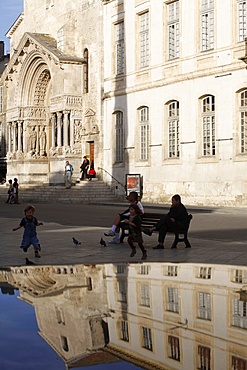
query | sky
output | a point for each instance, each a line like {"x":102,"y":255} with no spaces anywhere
{"x":21,"y":346}
{"x":9,"y":11}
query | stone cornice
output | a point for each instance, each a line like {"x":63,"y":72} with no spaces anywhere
{"x":175,"y":79}
{"x":15,"y":25}
{"x":43,"y":44}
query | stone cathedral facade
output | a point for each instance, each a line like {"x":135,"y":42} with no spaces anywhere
{"x":53,"y":87}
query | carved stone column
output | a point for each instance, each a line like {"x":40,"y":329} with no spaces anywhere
{"x":19,"y":135}
{"x":14,"y":135}
{"x":53,"y":121}
{"x":65,"y":128}
{"x":25,"y":137}
{"x":59,"y":129}
{"x":9,"y":137}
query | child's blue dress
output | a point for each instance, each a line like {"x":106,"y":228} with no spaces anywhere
{"x":30,"y":234}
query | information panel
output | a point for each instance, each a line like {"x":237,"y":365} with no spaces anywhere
{"x":133,"y":183}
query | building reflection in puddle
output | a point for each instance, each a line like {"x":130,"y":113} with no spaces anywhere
{"x":153,"y":315}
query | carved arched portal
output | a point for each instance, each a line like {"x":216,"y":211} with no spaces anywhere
{"x":35,"y":89}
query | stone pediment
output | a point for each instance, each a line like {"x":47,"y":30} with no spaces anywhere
{"x":89,"y":112}
{"x":43,"y":43}
{"x":49,"y":45}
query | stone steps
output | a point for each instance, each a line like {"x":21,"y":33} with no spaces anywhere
{"x":85,"y":192}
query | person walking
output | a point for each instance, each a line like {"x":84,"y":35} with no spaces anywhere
{"x":68,"y":174}
{"x":29,"y":222}
{"x":135,"y":231}
{"x":84,"y":168}
{"x":10,"y":198}
{"x":16,"y":191}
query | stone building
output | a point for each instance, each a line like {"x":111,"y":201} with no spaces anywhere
{"x":175,"y":98}
{"x":54,"y":87}
{"x":156,"y":88}
{"x":4,"y":59}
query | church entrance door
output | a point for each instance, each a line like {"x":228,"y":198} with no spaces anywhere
{"x":91,"y":151}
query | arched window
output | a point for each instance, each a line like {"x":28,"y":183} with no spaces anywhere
{"x":85,"y":72}
{"x":208,"y":125}
{"x":119,"y":136}
{"x":243,"y":121}
{"x":144,"y":132}
{"x":173,"y":130}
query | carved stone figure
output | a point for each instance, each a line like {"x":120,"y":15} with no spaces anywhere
{"x":42,"y":141}
{"x":33,"y":140}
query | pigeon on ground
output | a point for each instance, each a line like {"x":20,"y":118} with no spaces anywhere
{"x":102,"y":242}
{"x":76,"y":242}
{"x":28,"y":262}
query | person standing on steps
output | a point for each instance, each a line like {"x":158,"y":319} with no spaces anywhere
{"x":68,"y":174}
{"x":84,"y":168}
{"x":91,"y":173}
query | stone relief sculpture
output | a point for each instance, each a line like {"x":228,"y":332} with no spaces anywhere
{"x":32,"y":140}
{"x":42,"y":142}
{"x":77,"y":131}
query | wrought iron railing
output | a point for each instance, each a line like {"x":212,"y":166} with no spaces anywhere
{"x":114,"y":178}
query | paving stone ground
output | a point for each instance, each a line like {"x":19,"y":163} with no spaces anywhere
{"x":217,"y":236}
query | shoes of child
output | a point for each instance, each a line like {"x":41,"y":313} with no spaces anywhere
{"x":109,"y":233}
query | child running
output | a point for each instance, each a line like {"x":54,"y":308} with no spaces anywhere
{"x":29,"y":222}
{"x":135,"y":230}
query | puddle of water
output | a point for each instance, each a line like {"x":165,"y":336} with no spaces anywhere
{"x":22,"y":348}
{"x":123,"y":316}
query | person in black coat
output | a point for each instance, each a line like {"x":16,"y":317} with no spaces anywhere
{"x":84,"y":168}
{"x":174,"y":221}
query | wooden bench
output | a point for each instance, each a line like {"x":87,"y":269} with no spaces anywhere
{"x":149,"y":219}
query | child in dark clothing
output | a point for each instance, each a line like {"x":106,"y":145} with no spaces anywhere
{"x":29,"y":222}
{"x":16,"y":191}
{"x":11,"y":196}
{"x":135,"y":230}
